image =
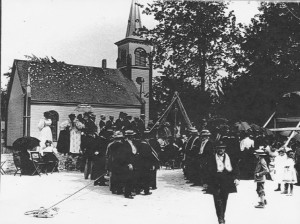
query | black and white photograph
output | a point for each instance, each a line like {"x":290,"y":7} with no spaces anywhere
{"x":150,"y":111}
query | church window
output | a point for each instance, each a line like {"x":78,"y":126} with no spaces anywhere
{"x":140,"y":57}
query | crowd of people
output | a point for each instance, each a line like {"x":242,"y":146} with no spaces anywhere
{"x":129,"y":154}
{"x":120,"y":150}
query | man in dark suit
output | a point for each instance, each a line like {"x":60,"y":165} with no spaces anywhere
{"x":205,"y":151}
{"x":102,"y":123}
{"x":110,"y":123}
{"x":190,"y":156}
{"x":222,"y":177}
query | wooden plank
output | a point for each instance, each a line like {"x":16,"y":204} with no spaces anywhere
{"x":288,"y":119}
{"x":285,"y":129}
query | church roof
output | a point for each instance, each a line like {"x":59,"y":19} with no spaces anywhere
{"x":134,"y":21}
{"x":65,"y":83}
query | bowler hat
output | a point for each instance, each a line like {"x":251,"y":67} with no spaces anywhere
{"x":221,"y":146}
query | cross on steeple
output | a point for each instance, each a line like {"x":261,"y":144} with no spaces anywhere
{"x":134,"y":21}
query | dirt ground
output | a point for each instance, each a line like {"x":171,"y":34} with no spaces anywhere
{"x":173,"y":202}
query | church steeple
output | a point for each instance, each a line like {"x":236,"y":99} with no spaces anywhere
{"x":134,"y":21}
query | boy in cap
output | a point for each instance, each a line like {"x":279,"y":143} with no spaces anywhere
{"x":260,"y":172}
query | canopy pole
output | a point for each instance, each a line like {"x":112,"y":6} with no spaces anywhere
{"x":291,"y":136}
{"x":268,"y":121}
{"x":164,"y":114}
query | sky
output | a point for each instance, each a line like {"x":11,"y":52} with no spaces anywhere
{"x":80,"y":32}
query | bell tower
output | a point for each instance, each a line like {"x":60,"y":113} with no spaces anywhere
{"x":133,"y":58}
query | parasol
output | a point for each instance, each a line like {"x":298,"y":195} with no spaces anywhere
{"x":84,"y":108}
{"x":291,"y":94}
{"x":26,"y":143}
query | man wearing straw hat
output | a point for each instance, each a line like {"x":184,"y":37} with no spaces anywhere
{"x":260,"y":172}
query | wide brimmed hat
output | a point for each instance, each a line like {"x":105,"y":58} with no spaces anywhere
{"x":221,"y":146}
{"x":288,"y":150}
{"x":193,"y":130}
{"x":205,"y":133}
{"x":118,"y":134}
{"x":260,"y":152}
{"x":129,"y":133}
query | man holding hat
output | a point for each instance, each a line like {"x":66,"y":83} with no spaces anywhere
{"x":260,"y":172}
{"x":222,"y":179}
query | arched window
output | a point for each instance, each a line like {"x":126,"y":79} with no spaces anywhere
{"x":53,"y":126}
{"x":140,"y":57}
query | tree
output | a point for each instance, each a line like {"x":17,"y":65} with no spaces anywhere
{"x":192,"y":42}
{"x":270,"y":60}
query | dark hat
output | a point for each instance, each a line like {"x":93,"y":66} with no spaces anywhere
{"x":111,"y":116}
{"x":72,"y":115}
{"x":102,"y":116}
{"x":221,"y":146}
{"x":48,"y":141}
{"x":129,"y":133}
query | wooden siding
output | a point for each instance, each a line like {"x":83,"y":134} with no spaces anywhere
{"x":15,"y":112}
{"x":38,"y":110}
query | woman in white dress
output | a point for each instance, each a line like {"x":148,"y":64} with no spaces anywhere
{"x":290,"y":174}
{"x":45,"y":130}
{"x":279,"y":163}
{"x":75,"y":127}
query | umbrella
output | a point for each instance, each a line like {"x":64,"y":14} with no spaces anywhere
{"x":258,"y":129}
{"x":84,"y":108}
{"x":26,"y":143}
{"x":242,"y":126}
{"x":296,"y":93}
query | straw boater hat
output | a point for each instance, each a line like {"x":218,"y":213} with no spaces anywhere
{"x":129,"y":133}
{"x":260,"y":152}
{"x":205,"y":133}
{"x":193,"y":130}
{"x":118,"y":134}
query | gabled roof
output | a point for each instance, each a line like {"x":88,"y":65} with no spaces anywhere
{"x":65,"y":83}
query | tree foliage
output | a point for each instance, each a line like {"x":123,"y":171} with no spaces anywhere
{"x":192,"y":42}
{"x":270,"y":59}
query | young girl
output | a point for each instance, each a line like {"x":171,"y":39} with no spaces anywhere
{"x":289,"y":175}
{"x":260,"y":176}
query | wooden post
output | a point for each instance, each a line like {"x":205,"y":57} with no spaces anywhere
{"x":291,"y":136}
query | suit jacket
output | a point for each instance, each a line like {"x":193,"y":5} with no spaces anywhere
{"x":223,"y":181}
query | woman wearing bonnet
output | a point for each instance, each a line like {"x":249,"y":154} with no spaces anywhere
{"x":45,"y":130}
